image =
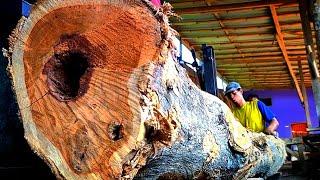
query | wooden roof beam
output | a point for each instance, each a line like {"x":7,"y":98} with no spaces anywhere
{"x":218,"y":29}
{"x":241,"y":28}
{"x":234,"y":6}
{"x":188,"y":22}
{"x":291,"y":40}
{"x":249,"y":65}
{"x":278,"y":72}
{"x":232,"y":35}
{"x":248,"y":54}
{"x":261,"y":58}
{"x":226,"y":32}
{"x":252,"y":47}
{"x":282,"y":46}
{"x":259,"y":76}
{"x":257,"y":43}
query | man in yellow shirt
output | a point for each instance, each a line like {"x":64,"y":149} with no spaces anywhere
{"x":253,"y":115}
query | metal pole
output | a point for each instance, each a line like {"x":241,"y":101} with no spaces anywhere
{"x":210,"y":70}
{"x":305,"y":17}
{"x":315,"y":11}
{"x":305,"y":96}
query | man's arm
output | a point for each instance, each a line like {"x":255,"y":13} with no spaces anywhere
{"x":272,"y":126}
{"x":269,"y":117}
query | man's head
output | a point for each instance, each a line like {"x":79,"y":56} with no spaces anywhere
{"x":234,"y":92}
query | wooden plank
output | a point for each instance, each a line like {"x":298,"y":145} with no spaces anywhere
{"x":212,"y":30}
{"x":258,"y":54}
{"x":282,"y":46}
{"x":261,"y":58}
{"x":233,"y":36}
{"x":284,"y":26}
{"x":240,"y":28}
{"x":190,"y":22}
{"x":260,"y":76}
{"x":252,"y":69}
{"x":250,"y":65}
{"x":235,"y":6}
{"x":226,"y":32}
{"x":248,"y":60}
{"x":291,"y":40}
{"x":281,"y":72}
{"x":248,"y":50}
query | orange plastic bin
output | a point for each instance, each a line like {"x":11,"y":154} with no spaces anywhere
{"x":299,"y":129}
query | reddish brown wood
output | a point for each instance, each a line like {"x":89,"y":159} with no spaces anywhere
{"x":101,"y":96}
{"x":78,"y":61}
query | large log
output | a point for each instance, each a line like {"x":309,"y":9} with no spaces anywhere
{"x":101,"y":96}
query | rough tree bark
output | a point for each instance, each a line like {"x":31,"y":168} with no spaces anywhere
{"x":101,"y":96}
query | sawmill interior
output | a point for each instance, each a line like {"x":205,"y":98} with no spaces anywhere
{"x":114,"y":122}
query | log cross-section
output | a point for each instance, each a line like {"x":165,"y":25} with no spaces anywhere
{"x":283,"y":48}
{"x":102,"y":96}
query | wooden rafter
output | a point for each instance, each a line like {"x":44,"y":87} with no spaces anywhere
{"x":250,"y":54}
{"x":262,"y":76}
{"x":245,"y":41}
{"x":290,"y":44}
{"x":229,"y":7}
{"x":253,"y":49}
{"x":212,"y":30}
{"x":282,"y":46}
{"x":257,"y":64}
{"x":226,"y":32}
{"x":242,"y":28}
{"x":258,"y":59}
{"x":256,"y":73}
{"x":235,"y":20}
{"x":239,"y":36}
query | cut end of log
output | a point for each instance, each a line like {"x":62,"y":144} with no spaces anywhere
{"x":74,"y":65}
{"x":100,"y":94}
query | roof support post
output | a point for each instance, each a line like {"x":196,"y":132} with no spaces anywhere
{"x":304,"y":6}
{"x":315,"y":11}
{"x":305,"y":96}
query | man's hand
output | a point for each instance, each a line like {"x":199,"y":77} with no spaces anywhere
{"x":271,"y":129}
{"x":268,"y":131}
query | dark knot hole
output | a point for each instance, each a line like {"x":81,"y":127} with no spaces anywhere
{"x":65,"y":74}
{"x":115,"y":131}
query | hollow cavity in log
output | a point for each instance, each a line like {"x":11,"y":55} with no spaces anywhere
{"x":67,"y":69}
